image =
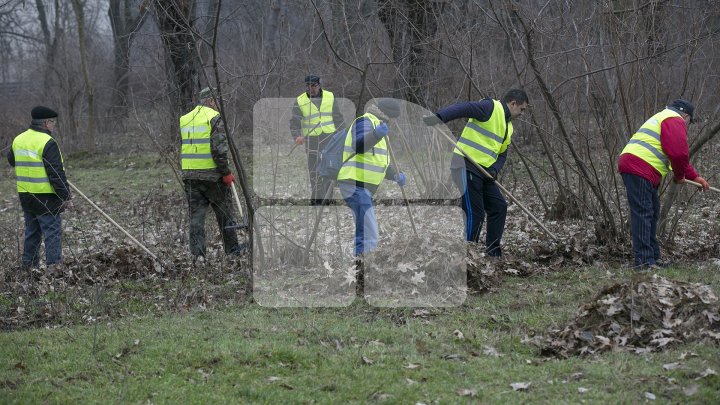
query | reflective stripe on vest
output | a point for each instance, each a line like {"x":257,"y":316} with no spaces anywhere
{"x":484,"y":141}
{"x":29,"y":166}
{"x":195,"y":131}
{"x":645,"y":143}
{"x":315,"y":122}
{"x":368,"y":167}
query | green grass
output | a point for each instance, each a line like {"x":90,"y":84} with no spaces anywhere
{"x":253,"y":354}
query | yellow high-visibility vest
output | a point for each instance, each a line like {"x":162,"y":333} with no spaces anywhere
{"x":645,"y":143}
{"x":195,"y":131}
{"x":368,"y":167}
{"x":315,"y":122}
{"x":29,"y":166}
{"x":484,"y":141}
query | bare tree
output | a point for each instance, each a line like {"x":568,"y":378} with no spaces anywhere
{"x":173,"y":19}
{"x":79,"y":9}
{"x":124,"y":23}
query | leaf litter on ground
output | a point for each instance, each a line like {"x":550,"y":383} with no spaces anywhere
{"x":642,"y":315}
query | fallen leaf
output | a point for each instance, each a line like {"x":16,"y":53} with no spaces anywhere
{"x":403,"y":267}
{"x":367,"y":360}
{"x":582,"y":390}
{"x":520,"y":386}
{"x":418,"y":277}
{"x":458,"y":335}
{"x":691,"y":390}
{"x":409,"y":381}
{"x":492,"y":352}
{"x":706,"y":373}
{"x":412,"y":366}
{"x":685,"y":355}
{"x":466,"y":392}
{"x":20,"y":366}
{"x":650,"y":396}
{"x":273,"y":379}
{"x":671,"y":366}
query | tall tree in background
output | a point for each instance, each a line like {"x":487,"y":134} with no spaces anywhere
{"x":124,"y":24}
{"x":411,"y":25}
{"x":79,"y":9}
{"x":173,"y":20}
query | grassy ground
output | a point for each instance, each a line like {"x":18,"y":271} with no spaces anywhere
{"x":113,"y":333}
{"x":356,"y":354}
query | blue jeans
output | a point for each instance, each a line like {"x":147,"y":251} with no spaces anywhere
{"x":480,"y":197}
{"x":359,"y":200}
{"x":644,"y":207}
{"x":36,"y":227}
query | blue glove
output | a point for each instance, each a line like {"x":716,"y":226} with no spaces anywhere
{"x":381,"y":130}
{"x":400,"y":179}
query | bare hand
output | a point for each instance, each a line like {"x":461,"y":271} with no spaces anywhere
{"x":705,"y":185}
{"x":300,"y":140}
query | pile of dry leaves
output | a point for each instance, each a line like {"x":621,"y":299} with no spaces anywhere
{"x":642,"y":315}
{"x":102,"y":285}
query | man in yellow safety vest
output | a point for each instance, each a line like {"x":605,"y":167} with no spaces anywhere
{"x":42,"y":187}
{"x":206,"y":174}
{"x":315,"y":117}
{"x":660,"y":145}
{"x":484,"y":142}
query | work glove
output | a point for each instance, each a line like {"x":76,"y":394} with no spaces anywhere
{"x":431,"y":120}
{"x":228,"y":179}
{"x":381,"y":130}
{"x":299,"y":140}
{"x":400,"y":179}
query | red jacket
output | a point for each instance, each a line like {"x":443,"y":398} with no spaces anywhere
{"x":673,"y":139}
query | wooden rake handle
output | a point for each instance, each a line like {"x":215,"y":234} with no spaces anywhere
{"x":137,"y":242}
{"x":694,"y":183}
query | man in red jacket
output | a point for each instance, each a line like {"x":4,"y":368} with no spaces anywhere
{"x":659,"y":145}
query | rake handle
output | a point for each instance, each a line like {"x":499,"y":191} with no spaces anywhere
{"x":137,"y":242}
{"x":694,"y":183}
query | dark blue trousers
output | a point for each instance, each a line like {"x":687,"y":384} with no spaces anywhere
{"x":36,"y":227}
{"x":644,"y":207}
{"x":481,"y":197}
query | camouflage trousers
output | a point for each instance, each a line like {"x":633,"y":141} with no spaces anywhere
{"x":201,"y":194}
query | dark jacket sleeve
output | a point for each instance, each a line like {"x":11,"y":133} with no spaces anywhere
{"x":364,"y":136}
{"x":498,"y":165}
{"x":11,"y":157}
{"x":219,"y":147}
{"x":338,"y":118}
{"x":480,"y":110}
{"x":55,"y":170}
{"x":296,"y":121}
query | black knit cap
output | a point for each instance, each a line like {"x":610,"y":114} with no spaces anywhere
{"x":207,"y":92}
{"x":312,"y":79}
{"x":683,"y":106}
{"x":42,"y":113}
{"x":389,"y":106}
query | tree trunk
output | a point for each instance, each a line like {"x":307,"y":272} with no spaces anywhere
{"x":173,"y":20}
{"x":124,"y":25}
{"x":79,"y":9}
